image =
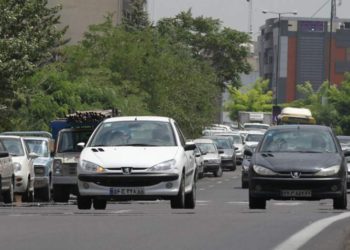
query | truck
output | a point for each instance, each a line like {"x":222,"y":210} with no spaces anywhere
{"x":245,"y":117}
{"x":67,"y":133}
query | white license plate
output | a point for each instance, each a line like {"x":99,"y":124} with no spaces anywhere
{"x":127,"y":191}
{"x":296,"y":193}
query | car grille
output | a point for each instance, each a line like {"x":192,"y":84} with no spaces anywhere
{"x":127,"y":183}
{"x":39,"y":170}
{"x":69,"y":168}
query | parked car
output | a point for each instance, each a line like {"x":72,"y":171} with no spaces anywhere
{"x":199,"y":156}
{"x":228,"y":156}
{"x":212,"y":158}
{"x":137,"y":158}
{"x":23,"y":164}
{"x":303,"y":162}
{"x":7,"y":173}
{"x":42,"y":165}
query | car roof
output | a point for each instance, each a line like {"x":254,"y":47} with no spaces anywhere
{"x":300,"y":126}
{"x":202,"y":140}
{"x":138,"y":118}
{"x":10,"y":136}
{"x":35,"y":138}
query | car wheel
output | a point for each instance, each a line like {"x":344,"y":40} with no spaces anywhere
{"x":218,"y":172}
{"x":100,"y":204}
{"x":341,"y":202}
{"x":8,"y":196}
{"x":257,"y":203}
{"x":60,"y":194}
{"x":84,"y":202}
{"x":179,"y":200}
{"x":190,"y":199}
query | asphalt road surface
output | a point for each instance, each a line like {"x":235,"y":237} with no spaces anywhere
{"x":221,"y":220}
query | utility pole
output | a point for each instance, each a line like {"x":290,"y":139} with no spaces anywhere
{"x":330,"y":43}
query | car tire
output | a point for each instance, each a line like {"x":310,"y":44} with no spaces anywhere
{"x":84,"y":203}
{"x":341,"y":202}
{"x":8,"y":196}
{"x":257,"y":203}
{"x":218,"y":172}
{"x":60,"y":194}
{"x":190,"y":198}
{"x":99,"y":204}
{"x":178,"y":202}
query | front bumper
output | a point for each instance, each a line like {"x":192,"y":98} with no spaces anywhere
{"x":41,"y":182}
{"x":105,"y":185}
{"x":271,"y":188}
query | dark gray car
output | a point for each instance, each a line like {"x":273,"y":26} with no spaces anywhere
{"x":303,"y":162}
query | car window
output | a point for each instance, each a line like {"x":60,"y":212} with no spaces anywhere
{"x":312,"y":141}
{"x":13,"y":146}
{"x":254,"y":137}
{"x":134,"y":133}
{"x":39,"y":147}
{"x":69,"y":139}
{"x":2,"y":147}
{"x":207,"y":147}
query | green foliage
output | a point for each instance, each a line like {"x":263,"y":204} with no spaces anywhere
{"x":137,"y":17}
{"x":222,"y":48}
{"x":139,"y":72}
{"x":28,"y":37}
{"x":252,"y":98}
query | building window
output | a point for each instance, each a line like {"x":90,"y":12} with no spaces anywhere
{"x":312,"y":26}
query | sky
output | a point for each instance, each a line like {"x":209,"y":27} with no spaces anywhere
{"x":234,"y":13}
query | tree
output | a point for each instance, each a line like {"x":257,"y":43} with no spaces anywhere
{"x":224,"y":49}
{"x":252,"y":98}
{"x":28,"y":37}
{"x":137,"y":17}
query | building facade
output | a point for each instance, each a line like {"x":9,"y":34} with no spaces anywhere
{"x":78,"y":15}
{"x":304,"y":53}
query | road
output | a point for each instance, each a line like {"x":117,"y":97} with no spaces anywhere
{"x":221,"y":220}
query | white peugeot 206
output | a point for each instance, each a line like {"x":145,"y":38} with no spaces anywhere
{"x":137,"y":158}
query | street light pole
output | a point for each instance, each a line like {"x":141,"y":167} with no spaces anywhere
{"x":278,"y":46}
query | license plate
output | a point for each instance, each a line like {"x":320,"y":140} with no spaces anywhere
{"x":126,"y":191}
{"x":296,"y":193}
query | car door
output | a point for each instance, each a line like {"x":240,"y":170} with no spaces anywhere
{"x":29,"y":163}
{"x":190,"y":165}
{"x":6,"y":165}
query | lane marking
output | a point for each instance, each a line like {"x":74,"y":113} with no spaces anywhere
{"x":287,"y":203}
{"x":219,"y":182}
{"x":299,"y":239}
{"x":121,"y":211}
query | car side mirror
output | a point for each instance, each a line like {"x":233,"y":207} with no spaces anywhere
{"x":4,"y":154}
{"x":248,"y":152}
{"x":190,"y":146}
{"x":347,"y":153}
{"x":81,"y":145}
{"x":33,"y":155}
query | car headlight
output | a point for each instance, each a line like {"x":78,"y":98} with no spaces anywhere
{"x":328,"y":171}
{"x":263,"y":171}
{"x":164,"y":166}
{"x":57,"y":166}
{"x":91,"y":167}
{"x":17,"y":166}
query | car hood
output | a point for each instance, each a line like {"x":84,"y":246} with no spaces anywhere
{"x":137,"y":157}
{"x":307,"y":162}
{"x":42,"y":161}
{"x":211,"y":156}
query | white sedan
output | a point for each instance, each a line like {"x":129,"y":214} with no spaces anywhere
{"x":137,"y":158}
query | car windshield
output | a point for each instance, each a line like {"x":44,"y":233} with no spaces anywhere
{"x":301,"y":140}
{"x":255,"y":126}
{"x":68,"y":140}
{"x":254,"y":137}
{"x":13,"y":146}
{"x":222,"y":143}
{"x":39,"y":147}
{"x":207,"y":147}
{"x":134,"y":133}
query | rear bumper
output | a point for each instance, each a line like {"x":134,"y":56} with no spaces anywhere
{"x":271,"y":188}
